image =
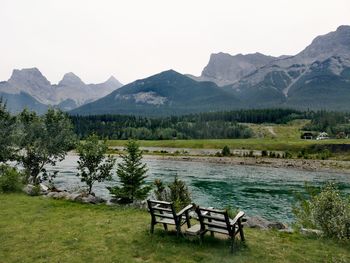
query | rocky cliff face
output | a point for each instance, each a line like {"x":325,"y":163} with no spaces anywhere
{"x":224,"y":69}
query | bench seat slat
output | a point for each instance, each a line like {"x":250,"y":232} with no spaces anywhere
{"x":218,"y":230}
{"x":170,"y":216}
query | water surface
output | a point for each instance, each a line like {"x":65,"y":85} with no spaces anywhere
{"x":264,"y":191}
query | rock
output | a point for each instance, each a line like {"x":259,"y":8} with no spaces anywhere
{"x":277,"y":225}
{"x":140,"y":204}
{"x":262,"y":223}
{"x":33,"y":190}
{"x":58,"y":195}
{"x":90,"y":199}
{"x":312,"y":232}
{"x":287,"y":230}
{"x":74,"y":197}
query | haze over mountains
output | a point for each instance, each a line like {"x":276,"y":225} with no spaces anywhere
{"x":316,"y":78}
{"x":29,"y":88}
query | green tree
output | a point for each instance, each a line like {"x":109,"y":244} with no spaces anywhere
{"x":94,"y":165}
{"x":132,"y":173}
{"x":43,"y":140}
{"x":7,"y":134}
{"x":179,"y":194}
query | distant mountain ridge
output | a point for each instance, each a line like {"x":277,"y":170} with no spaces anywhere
{"x":224,"y":69}
{"x":166,"y":93}
{"x":315,"y":78}
{"x":69,"y":93}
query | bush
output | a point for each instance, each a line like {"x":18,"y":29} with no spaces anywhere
{"x":326,"y":210}
{"x":176,"y":192}
{"x":10,"y":179}
{"x":331,"y":213}
{"x":226,"y":151}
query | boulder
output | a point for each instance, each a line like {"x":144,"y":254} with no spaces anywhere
{"x":34,"y":190}
{"x":90,"y":199}
{"x":262,"y":223}
{"x":311,"y":232}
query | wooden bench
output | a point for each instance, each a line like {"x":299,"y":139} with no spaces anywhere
{"x":218,"y":221}
{"x":164,"y":213}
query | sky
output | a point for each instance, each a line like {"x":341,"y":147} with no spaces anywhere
{"x":133,"y":39}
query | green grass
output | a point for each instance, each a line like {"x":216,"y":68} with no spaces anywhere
{"x":36,"y":229}
{"x":286,"y":137}
{"x":250,"y":144}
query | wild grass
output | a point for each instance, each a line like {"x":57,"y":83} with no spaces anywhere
{"x":37,"y":229}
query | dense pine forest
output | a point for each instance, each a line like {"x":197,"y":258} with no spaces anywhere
{"x":213,"y":125}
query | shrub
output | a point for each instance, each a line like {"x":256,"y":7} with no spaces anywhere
{"x":176,"y":192}
{"x":326,"y":210}
{"x":331,"y":213}
{"x":179,"y":194}
{"x":10,"y":179}
{"x":226,"y":151}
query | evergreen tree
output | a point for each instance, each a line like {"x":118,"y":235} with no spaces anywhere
{"x":7,"y":134}
{"x":132,"y":173}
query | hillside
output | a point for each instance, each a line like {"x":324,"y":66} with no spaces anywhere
{"x":166,"y":93}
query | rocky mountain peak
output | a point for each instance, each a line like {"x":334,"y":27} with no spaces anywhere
{"x":336,"y":43}
{"x":225,"y":69}
{"x":28,"y":77}
{"x":70,"y":79}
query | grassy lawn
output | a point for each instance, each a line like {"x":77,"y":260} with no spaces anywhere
{"x":276,"y":144}
{"x":36,"y":229}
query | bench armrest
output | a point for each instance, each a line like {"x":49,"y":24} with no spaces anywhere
{"x":186,"y":209}
{"x":237,"y":218}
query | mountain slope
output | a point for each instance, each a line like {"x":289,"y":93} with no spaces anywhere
{"x":224,"y":69}
{"x":314,"y":78}
{"x":15,"y":103}
{"x":167,"y":93}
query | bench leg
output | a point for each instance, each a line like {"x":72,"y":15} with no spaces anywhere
{"x":232,"y":243}
{"x":178,"y":230}
{"x":241,"y":231}
{"x":165,"y":227}
{"x":152,"y":228}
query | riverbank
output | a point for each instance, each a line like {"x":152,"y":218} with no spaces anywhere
{"x":37,"y":229}
{"x":296,"y":164}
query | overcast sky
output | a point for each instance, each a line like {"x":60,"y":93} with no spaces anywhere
{"x":133,"y":39}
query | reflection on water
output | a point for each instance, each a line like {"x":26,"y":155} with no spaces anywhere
{"x":256,"y":190}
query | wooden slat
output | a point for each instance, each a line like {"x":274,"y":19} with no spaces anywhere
{"x":164,"y":215}
{"x":162,"y":209}
{"x":212,"y":210}
{"x":218,"y":230}
{"x":213,"y":217}
{"x":160,"y":202}
{"x":218,"y":225}
{"x":166,"y":221}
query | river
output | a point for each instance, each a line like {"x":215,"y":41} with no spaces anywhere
{"x":268,"y":192}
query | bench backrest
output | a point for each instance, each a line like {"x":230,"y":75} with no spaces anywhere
{"x":161,"y":209}
{"x":214,"y":218}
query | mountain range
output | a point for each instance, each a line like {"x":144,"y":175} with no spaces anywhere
{"x":318,"y":77}
{"x":29,"y":88}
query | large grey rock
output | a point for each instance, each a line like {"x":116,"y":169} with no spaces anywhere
{"x":311,"y":232}
{"x":91,"y":199}
{"x":35,"y":190}
{"x":262,"y":223}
